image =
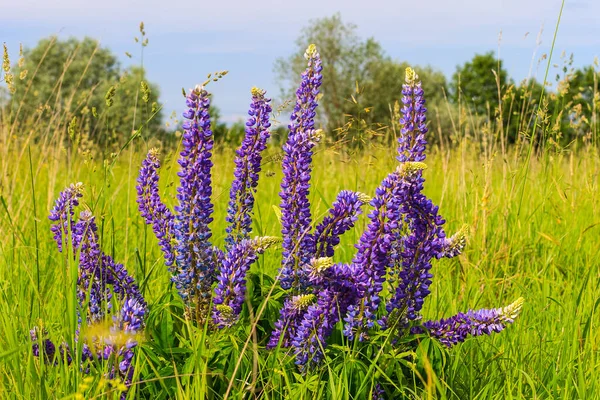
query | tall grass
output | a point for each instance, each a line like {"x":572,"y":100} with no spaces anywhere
{"x":548,"y":253}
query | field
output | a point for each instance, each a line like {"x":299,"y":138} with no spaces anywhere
{"x":534,"y":228}
{"x":516,"y":175}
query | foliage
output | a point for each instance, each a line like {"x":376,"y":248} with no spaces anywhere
{"x":73,"y":77}
{"x":479,"y":82}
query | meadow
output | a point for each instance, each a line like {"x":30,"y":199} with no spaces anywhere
{"x":533,"y":217}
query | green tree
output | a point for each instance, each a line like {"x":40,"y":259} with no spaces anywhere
{"x":346,"y":60}
{"x":70,"y":78}
{"x":361,"y":85}
{"x":476,"y":82}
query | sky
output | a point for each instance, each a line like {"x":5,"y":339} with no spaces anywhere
{"x":189,"y":39}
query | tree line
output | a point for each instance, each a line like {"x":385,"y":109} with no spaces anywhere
{"x":81,"y":87}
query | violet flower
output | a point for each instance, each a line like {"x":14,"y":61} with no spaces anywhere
{"x":456,"y":329}
{"x":185,"y":235}
{"x":195,"y":270}
{"x":341,"y":218}
{"x":231,"y":288}
{"x":373,"y":255}
{"x":247,"y":167}
{"x":99,"y":278}
{"x":295,"y":207}
{"x":337,"y":286}
{"x":291,"y":315}
{"x":151,"y":207}
{"x":412,"y":140}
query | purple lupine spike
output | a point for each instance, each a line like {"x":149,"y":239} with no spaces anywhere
{"x":290,"y":317}
{"x":63,"y":211}
{"x":130,"y":322}
{"x":337,"y":286}
{"x":341,"y":218}
{"x":456,"y":329}
{"x":318,"y":323}
{"x":412,"y":140}
{"x":298,"y":244}
{"x":231,"y":288}
{"x":295,"y":206}
{"x":247,"y":166}
{"x":151,"y":207}
{"x":423,"y":237}
{"x":124,"y":285}
{"x":92,"y":288}
{"x":454,"y":245}
{"x":195,"y":271}
{"x":420,"y":246}
{"x":98,"y":278}
{"x":373,"y":255}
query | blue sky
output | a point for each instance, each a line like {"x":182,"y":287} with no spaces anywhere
{"x":189,"y":39}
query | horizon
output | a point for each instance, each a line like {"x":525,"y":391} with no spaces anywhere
{"x":177,"y":56}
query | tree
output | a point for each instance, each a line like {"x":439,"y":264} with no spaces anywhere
{"x":71,"y":78}
{"x":360,"y":83}
{"x":476,"y":82}
{"x":346,"y":60}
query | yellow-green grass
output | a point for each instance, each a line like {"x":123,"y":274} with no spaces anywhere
{"x":534,"y":235}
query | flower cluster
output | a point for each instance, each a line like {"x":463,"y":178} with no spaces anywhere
{"x":320,"y":290}
{"x":385,"y":285}
{"x":184,"y":235}
{"x":101,"y":282}
{"x":456,"y":329}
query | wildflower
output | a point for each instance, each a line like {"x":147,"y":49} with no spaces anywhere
{"x":291,"y":315}
{"x":372,"y":257}
{"x":100,"y":282}
{"x":247,"y":166}
{"x":195,"y":269}
{"x":412,"y":140}
{"x":454,"y":245}
{"x":151,"y":207}
{"x":63,"y":211}
{"x":231,"y":288}
{"x":295,"y":207}
{"x":184,"y":235}
{"x":342,"y":217}
{"x":456,"y":329}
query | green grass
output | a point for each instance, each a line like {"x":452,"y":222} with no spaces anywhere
{"x":544,"y":249}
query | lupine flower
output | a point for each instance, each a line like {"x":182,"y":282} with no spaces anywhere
{"x":454,"y":245}
{"x":456,"y":329}
{"x":422,"y":238}
{"x":341,"y":218}
{"x":337,"y":287}
{"x":98,"y":279}
{"x":231,"y":288}
{"x":184,"y":235}
{"x":247,"y":167}
{"x":373,"y":255}
{"x":63,"y":211}
{"x":319,"y":320}
{"x":378,"y":392}
{"x":412,"y":139}
{"x":195,"y":271}
{"x":152,"y":209}
{"x":291,"y":315}
{"x":38,"y":338}
{"x":295,"y":207}
{"x":420,"y":246}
